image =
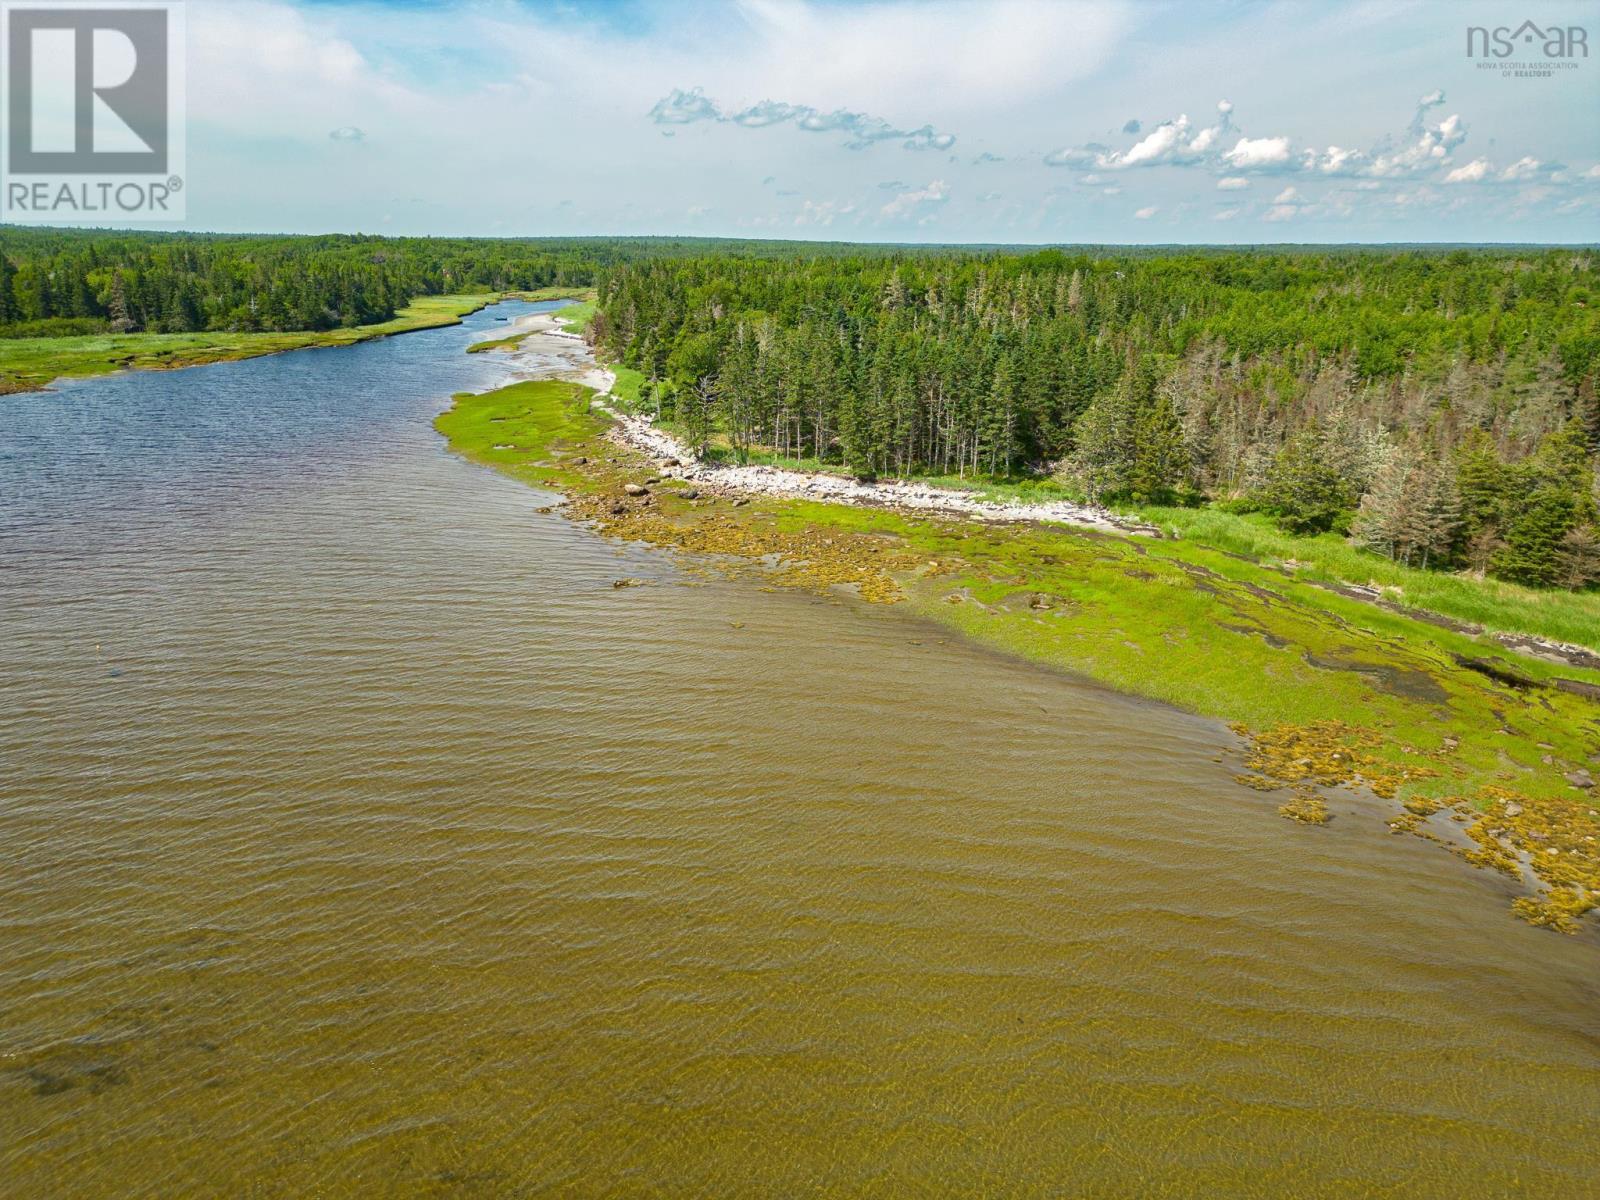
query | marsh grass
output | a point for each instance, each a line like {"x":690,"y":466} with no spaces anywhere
{"x":35,"y":362}
{"x":1493,"y":603}
{"x":1331,"y":690}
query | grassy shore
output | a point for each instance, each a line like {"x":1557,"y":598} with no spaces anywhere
{"x":1553,"y":614}
{"x":30,"y":363}
{"x":1472,"y":745}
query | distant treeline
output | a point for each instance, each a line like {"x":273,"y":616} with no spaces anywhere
{"x":60,"y":282}
{"x":1439,"y":405}
{"x":63,"y":282}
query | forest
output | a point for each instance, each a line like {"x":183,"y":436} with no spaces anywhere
{"x":1437,"y":406}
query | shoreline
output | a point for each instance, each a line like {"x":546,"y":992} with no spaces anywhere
{"x":93,"y":355}
{"x":1497,"y":773}
{"x":675,"y":460}
{"x":678,"y":461}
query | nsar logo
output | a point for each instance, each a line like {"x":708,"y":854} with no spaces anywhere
{"x":1553,"y":41}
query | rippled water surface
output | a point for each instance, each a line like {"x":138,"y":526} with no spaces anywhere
{"x":358,"y":837}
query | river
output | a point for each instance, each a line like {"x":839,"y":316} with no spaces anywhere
{"x":358,"y":837}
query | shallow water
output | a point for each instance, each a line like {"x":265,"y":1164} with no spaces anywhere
{"x":358,"y":837}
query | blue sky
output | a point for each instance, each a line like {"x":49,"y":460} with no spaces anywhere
{"x":953,"y":121}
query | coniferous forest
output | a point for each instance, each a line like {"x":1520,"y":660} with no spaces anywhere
{"x":1438,"y":406}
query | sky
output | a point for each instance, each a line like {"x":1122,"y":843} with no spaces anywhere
{"x":1014,"y":121}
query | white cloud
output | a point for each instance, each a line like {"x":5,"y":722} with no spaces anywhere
{"x":1473,"y":172}
{"x":1523,"y":168}
{"x":1232,"y":183}
{"x":1289,"y":195}
{"x":906,"y":203}
{"x":679,"y":107}
{"x":1174,"y":141}
{"x":1255,"y":153}
{"x":1430,"y":149}
{"x":1335,"y":161}
{"x":822,"y":212}
{"x":1144,"y":214}
{"x":1227,"y":214}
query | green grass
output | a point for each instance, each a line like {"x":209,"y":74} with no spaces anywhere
{"x":1496,"y":604}
{"x":505,"y":343}
{"x":1174,"y":620}
{"x":515,"y":428}
{"x":577,"y":317}
{"x":555,"y":293}
{"x":1181,"y":621}
{"x":626,"y":388}
{"x":27,"y":363}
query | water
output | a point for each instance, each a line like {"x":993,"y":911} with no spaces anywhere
{"x":357,"y":837}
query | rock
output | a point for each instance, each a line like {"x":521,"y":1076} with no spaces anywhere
{"x":689,"y":494}
{"x":741,"y":501}
{"x":652,"y":481}
{"x":634,"y":489}
{"x":670,"y":462}
{"x":580,"y":460}
{"x":1580,"y":779}
{"x":618,"y":509}
{"x":1513,"y":810}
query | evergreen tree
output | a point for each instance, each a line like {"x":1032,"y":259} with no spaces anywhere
{"x":1305,"y":490}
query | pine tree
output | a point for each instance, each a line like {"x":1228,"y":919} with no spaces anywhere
{"x":8,"y":304}
{"x":1304,"y":489}
{"x":1160,"y":455}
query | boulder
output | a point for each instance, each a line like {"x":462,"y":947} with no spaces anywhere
{"x":635,"y":489}
{"x":1580,"y":779}
{"x":689,"y":494}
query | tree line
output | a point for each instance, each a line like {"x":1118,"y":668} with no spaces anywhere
{"x":1437,"y":405}
{"x":1440,"y":407}
{"x":64,"y":282}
